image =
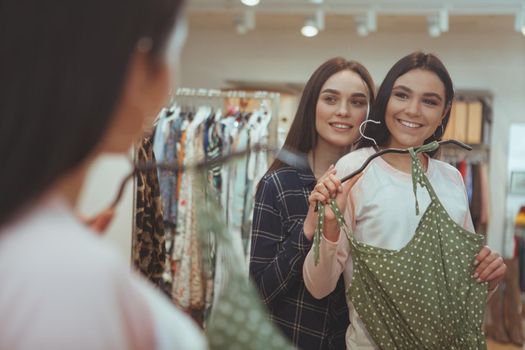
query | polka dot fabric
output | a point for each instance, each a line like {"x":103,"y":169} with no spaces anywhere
{"x":421,"y":296}
{"x":238,"y":320}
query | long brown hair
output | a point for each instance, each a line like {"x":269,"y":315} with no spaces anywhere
{"x":302,"y":136}
{"x":63,"y":68}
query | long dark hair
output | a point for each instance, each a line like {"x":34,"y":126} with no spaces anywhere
{"x":63,"y":64}
{"x":416,"y":60}
{"x":302,"y":136}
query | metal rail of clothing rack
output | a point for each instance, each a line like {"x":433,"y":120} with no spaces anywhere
{"x":272,"y":97}
{"x":192,"y":92}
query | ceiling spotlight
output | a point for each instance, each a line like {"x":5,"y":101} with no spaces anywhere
{"x":520,"y":21}
{"x":240,"y":26}
{"x":310,"y":28}
{"x":250,"y":2}
{"x":249,"y":19}
{"x":245,"y":22}
{"x":371,"y":20}
{"x":362,"y":30}
{"x":433,"y":26}
{"x":366,"y":23}
{"x":313,"y":24}
{"x":443,"y":20}
{"x":318,"y":2}
{"x":319,"y":19}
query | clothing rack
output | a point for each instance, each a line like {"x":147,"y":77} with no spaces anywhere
{"x":190,"y":92}
{"x":216,"y":95}
{"x":478,"y":154}
{"x":236,"y":120}
{"x":473,"y":166}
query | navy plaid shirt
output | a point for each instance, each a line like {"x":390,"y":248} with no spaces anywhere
{"x":278,"y":250}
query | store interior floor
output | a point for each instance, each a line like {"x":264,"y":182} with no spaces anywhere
{"x":498,"y":346}
{"x":492,"y":345}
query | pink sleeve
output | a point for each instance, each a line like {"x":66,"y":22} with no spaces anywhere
{"x":322,"y":279}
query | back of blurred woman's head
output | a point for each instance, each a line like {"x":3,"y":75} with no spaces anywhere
{"x":63,"y":66}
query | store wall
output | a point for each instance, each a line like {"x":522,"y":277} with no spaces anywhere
{"x":102,"y":185}
{"x":515,"y":198}
{"x":488,"y":61}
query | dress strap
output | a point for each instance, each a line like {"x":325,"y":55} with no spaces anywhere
{"x":418,"y":175}
{"x":320,"y":224}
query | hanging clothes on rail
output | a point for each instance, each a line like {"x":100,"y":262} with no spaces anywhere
{"x":188,"y":284}
{"x":474,"y":172}
{"x":192,"y":130}
{"x":148,"y":247}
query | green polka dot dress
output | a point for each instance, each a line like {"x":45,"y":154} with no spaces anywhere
{"x":238,"y":320}
{"x":421,"y":296}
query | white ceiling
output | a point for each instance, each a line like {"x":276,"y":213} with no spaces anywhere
{"x":353,"y":6}
{"x":392,"y":16}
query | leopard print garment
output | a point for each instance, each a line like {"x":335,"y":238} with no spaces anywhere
{"x":149,"y":242}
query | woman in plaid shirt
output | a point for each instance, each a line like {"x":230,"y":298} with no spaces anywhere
{"x":334,"y":103}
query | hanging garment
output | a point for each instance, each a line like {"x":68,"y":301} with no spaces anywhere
{"x":462,"y":167}
{"x":468,"y":182}
{"x":238,"y":319}
{"x":197,"y":280}
{"x":521,"y":259}
{"x":149,"y":249}
{"x":483,"y":173}
{"x":168,"y":178}
{"x":475,"y":203}
{"x":189,"y":285}
{"x":213,"y":149}
{"x":421,"y":296}
{"x":179,"y":257}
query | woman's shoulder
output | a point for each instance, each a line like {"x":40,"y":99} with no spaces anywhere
{"x":52,"y":235}
{"x":445,"y":170}
{"x":66,"y":269}
{"x":353,"y":161}
{"x":287,"y":177}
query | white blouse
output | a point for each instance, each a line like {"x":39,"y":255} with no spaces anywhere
{"x":63,"y":287}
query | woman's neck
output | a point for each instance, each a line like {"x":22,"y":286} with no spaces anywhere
{"x":322,"y":156}
{"x":403,"y":162}
{"x":70,"y":185}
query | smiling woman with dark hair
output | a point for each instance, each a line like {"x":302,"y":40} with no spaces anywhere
{"x":417,"y":273}
{"x":333,"y":104}
{"x":78,"y":79}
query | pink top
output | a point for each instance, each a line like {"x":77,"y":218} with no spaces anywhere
{"x":381,"y":211}
{"x":64,"y":288}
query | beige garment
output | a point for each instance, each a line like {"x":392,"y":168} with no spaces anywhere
{"x":197,"y":283}
{"x":483,"y":177}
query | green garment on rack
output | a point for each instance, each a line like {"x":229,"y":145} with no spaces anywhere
{"x":422,"y":296}
{"x":238,"y":320}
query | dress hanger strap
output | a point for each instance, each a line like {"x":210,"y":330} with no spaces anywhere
{"x":417,"y":169}
{"x":320,"y":227}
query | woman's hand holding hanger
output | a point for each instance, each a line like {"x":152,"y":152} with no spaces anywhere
{"x":329,"y":187}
